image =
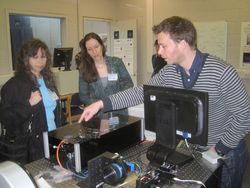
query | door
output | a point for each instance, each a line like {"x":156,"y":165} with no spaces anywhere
{"x":120,"y":39}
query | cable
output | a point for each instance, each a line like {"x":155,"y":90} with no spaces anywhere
{"x":203,"y":165}
{"x":189,"y":149}
{"x":72,"y":168}
{"x":189,"y":181}
{"x":67,"y":163}
{"x":83,"y":176}
{"x":139,"y":168}
{"x":57,"y":155}
{"x":137,"y":165}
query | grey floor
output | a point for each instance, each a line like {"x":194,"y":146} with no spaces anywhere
{"x":246,"y":180}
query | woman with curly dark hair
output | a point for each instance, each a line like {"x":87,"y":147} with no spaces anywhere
{"x":29,"y":104}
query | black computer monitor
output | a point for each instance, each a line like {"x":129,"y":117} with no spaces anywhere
{"x":175,"y":114}
{"x":62,"y":58}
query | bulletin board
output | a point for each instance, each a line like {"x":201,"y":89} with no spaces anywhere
{"x":124,"y":41}
{"x":212,"y":38}
{"x":245,"y":46}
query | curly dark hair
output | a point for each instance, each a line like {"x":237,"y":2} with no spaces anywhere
{"x":87,"y":66}
{"x":30,"y":49}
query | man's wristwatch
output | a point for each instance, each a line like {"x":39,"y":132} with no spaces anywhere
{"x":219,"y":152}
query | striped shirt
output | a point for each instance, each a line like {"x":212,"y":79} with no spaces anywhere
{"x":229,"y":106}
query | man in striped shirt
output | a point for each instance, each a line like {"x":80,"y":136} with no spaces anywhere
{"x":229,"y":105}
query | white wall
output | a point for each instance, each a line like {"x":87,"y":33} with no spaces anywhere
{"x":231,"y":11}
{"x":146,"y":12}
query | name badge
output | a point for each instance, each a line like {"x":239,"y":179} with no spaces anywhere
{"x":112,"y":77}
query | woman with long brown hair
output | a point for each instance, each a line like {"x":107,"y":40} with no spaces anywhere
{"x":100,"y":75}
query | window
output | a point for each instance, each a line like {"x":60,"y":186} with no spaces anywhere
{"x":24,"y":27}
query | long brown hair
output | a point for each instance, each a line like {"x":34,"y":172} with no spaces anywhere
{"x":30,"y":49}
{"x":87,"y":66}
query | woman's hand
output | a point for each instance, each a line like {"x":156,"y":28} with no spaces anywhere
{"x":90,"y":111}
{"x":35,"y":98}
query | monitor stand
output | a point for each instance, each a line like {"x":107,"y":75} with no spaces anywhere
{"x":159,"y":154}
{"x":164,"y":148}
{"x":67,"y":66}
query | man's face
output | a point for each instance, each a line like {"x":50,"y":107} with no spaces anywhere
{"x":169,"y":50}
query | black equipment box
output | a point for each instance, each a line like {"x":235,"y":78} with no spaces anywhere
{"x":84,"y":141}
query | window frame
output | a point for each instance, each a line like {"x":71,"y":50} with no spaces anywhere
{"x":64,"y":29}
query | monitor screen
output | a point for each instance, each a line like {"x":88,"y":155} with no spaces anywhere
{"x":62,"y":58}
{"x":172,"y":113}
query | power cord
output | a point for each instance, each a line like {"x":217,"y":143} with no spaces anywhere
{"x":189,"y":181}
{"x":57,"y":154}
{"x":81,"y":175}
{"x":67,"y":169}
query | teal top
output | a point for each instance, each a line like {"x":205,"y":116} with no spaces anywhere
{"x":118,"y":80}
{"x":49,"y":101}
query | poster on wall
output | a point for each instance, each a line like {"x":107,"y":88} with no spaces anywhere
{"x":116,"y":35}
{"x":123,"y":48}
{"x":245,"y":45}
{"x":130,"y":34}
